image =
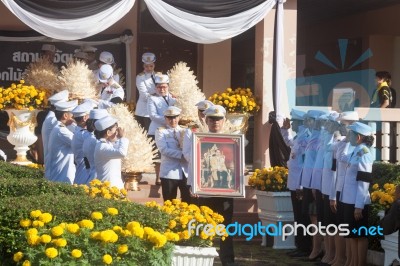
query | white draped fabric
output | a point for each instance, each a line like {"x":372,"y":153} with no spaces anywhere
{"x":206,"y":30}
{"x":279,"y":53}
{"x":71,"y":29}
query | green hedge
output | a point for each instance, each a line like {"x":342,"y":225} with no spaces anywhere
{"x":23,"y":189}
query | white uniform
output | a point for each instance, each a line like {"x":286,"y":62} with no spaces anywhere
{"x":357,"y":177}
{"x":107,"y":157}
{"x":156,"y":107}
{"x":169,"y":142}
{"x":295,"y":163}
{"x":341,"y":150}
{"x":310,"y":155}
{"x":110,"y":92}
{"x":62,"y":167}
{"x":316,"y":178}
{"x":82,"y":173}
{"x":89,"y":145}
{"x":146,"y":87}
{"x":96,"y":73}
{"x":187,"y":153}
{"x":328,"y":175}
{"x":49,"y":123}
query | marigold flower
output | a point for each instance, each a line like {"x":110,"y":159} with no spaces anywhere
{"x":73,"y":228}
{"x":76,"y":253}
{"x":25,"y":223}
{"x":18,"y":256}
{"x":26,"y":263}
{"x":122,"y":249}
{"x":45,"y":239}
{"x":51,"y":253}
{"x":97,"y":215}
{"x":45,"y":217}
{"x":107,"y":259}
{"x":86,"y":224}
{"x":36,"y":213}
{"x":112,"y":211}
{"x":61,"y":242}
{"x":57,"y":230}
{"x":37,"y":223}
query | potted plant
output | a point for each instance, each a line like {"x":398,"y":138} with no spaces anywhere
{"x":273,"y":199}
{"x":239,"y":103}
{"x":21,"y":102}
{"x":382,"y":199}
{"x":191,"y":248}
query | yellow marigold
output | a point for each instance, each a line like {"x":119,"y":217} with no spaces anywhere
{"x":106,"y":184}
{"x":107,"y":259}
{"x":45,"y":217}
{"x":132,"y":225}
{"x":18,"y":256}
{"x":138,"y":232}
{"x":73,"y":228}
{"x":108,"y":236}
{"x":95,"y":235}
{"x":86,"y":224}
{"x":122,"y":249}
{"x":97,"y":215}
{"x":57,"y":230}
{"x":172,"y":224}
{"x":45,"y":239}
{"x":76,"y":253}
{"x":35,"y":214}
{"x":61,"y":242}
{"x":112,"y":211}
{"x":171,"y":236}
{"x":51,"y":253}
{"x":26,"y":263}
{"x":37,"y":223}
{"x":25,"y":223}
{"x":31,"y":231}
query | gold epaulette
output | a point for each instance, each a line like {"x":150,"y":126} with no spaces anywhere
{"x":365,"y":150}
{"x":141,"y":74}
{"x":161,"y":128}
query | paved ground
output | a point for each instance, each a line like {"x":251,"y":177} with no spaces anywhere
{"x":252,"y":253}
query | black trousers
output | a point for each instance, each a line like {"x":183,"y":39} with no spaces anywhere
{"x":223,"y":206}
{"x":170,"y":187}
{"x":302,"y":240}
{"x":144,"y":122}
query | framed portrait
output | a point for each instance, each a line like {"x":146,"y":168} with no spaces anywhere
{"x":218,"y":165}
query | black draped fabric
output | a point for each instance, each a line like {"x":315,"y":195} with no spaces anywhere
{"x":279,"y":152}
{"x":66,"y":9}
{"x":214,"y":8}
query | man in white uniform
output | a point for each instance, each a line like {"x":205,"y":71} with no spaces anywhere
{"x":61,"y":158}
{"x":145,"y":83}
{"x":111,"y":93}
{"x":173,"y":170}
{"x":215,"y":119}
{"x":48,"y":125}
{"x":156,"y":106}
{"x":91,"y":56}
{"x":81,"y":115}
{"x":89,"y":144}
{"x":109,"y":151}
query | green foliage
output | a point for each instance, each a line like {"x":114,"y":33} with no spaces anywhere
{"x":23,"y":189}
{"x":8,"y":170}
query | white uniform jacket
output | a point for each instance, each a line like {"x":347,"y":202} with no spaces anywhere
{"x":49,"y":123}
{"x":169,"y":142}
{"x":112,"y":91}
{"x":187,"y":154}
{"x":357,"y":178}
{"x":156,"y":107}
{"x":62,"y":167}
{"x":89,"y":144}
{"x":316,"y":177}
{"x":295,"y":163}
{"x":146,"y":87}
{"x":82,"y":172}
{"x":107,"y":159}
{"x":310,"y":155}
{"x":328,"y":173}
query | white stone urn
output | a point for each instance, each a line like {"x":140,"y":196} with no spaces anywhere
{"x":238,"y":124}
{"x":275,"y":208}
{"x":22,"y":124}
{"x":187,"y":255}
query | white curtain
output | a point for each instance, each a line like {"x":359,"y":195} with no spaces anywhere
{"x":206,"y":30}
{"x":279,"y":54}
{"x":71,"y":29}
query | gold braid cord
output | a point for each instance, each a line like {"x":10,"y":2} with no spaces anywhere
{"x":15,"y":123}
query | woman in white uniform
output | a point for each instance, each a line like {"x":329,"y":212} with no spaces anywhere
{"x":109,"y":151}
{"x":355,"y":195}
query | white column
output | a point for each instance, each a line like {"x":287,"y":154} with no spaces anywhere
{"x":127,"y":39}
{"x":373,"y":126}
{"x":385,"y":153}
